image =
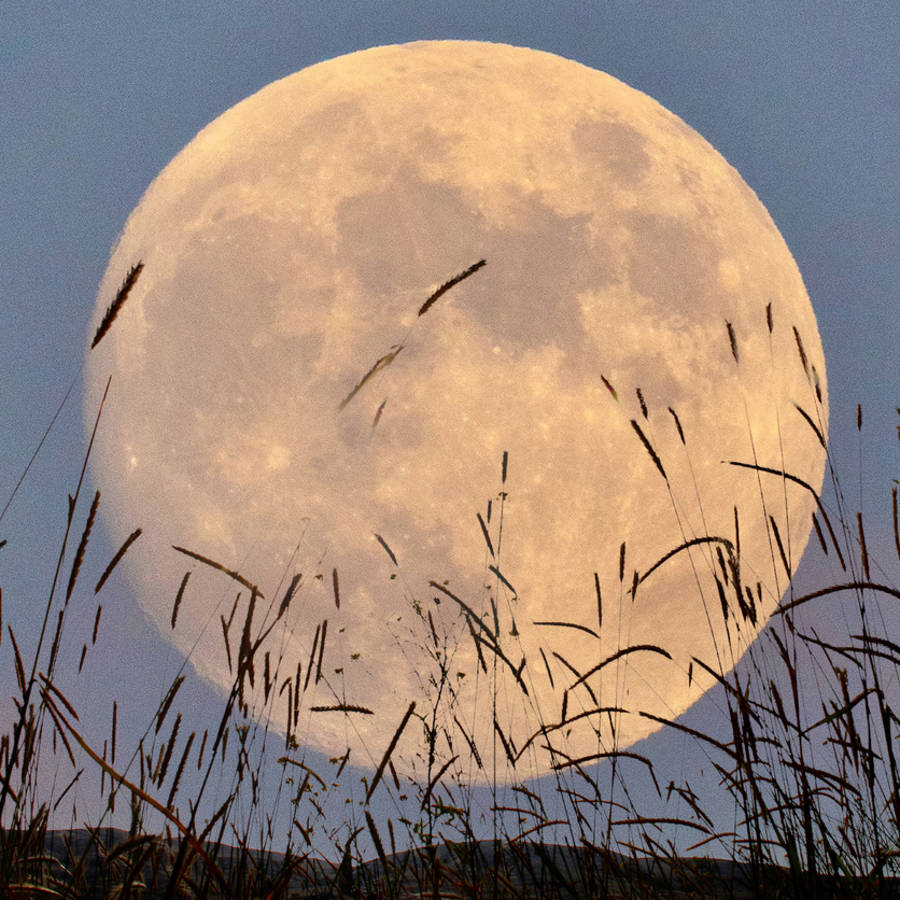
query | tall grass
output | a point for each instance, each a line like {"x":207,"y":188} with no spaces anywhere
{"x":804,"y":754}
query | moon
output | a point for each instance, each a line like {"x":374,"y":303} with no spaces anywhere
{"x":476,"y":373}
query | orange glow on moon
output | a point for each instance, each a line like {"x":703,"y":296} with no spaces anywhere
{"x":280,"y":405}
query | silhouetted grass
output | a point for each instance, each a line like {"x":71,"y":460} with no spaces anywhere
{"x":813,"y":784}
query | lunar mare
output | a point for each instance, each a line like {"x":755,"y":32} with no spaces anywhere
{"x":279,"y":406}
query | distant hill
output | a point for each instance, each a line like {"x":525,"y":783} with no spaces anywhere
{"x":108,"y":862}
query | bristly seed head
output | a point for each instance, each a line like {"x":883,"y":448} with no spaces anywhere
{"x":117,"y":304}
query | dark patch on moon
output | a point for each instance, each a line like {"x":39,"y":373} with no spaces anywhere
{"x":402,"y":235}
{"x":672,"y":261}
{"x":414,"y":231}
{"x":614,"y":146}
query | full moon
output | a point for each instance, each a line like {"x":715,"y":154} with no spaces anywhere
{"x":463,"y":376}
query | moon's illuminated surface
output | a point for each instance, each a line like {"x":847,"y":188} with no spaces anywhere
{"x":288,"y":249}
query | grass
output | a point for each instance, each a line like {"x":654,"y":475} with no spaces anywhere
{"x":805,"y":752}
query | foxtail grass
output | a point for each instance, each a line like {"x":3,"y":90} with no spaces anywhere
{"x":804,"y":753}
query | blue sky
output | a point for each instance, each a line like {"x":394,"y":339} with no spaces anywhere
{"x":801,"y":98}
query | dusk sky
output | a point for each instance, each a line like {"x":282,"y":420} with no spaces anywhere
{"x":97,"y":98}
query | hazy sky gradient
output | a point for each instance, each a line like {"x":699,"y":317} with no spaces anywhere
{"x":96,"y":99}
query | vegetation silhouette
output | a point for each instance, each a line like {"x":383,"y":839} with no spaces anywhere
{"x":814,"y":786}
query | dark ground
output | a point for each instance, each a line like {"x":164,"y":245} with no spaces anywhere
{"x":108,"y":863}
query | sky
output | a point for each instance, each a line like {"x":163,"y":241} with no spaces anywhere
{"x":97,"y":98}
